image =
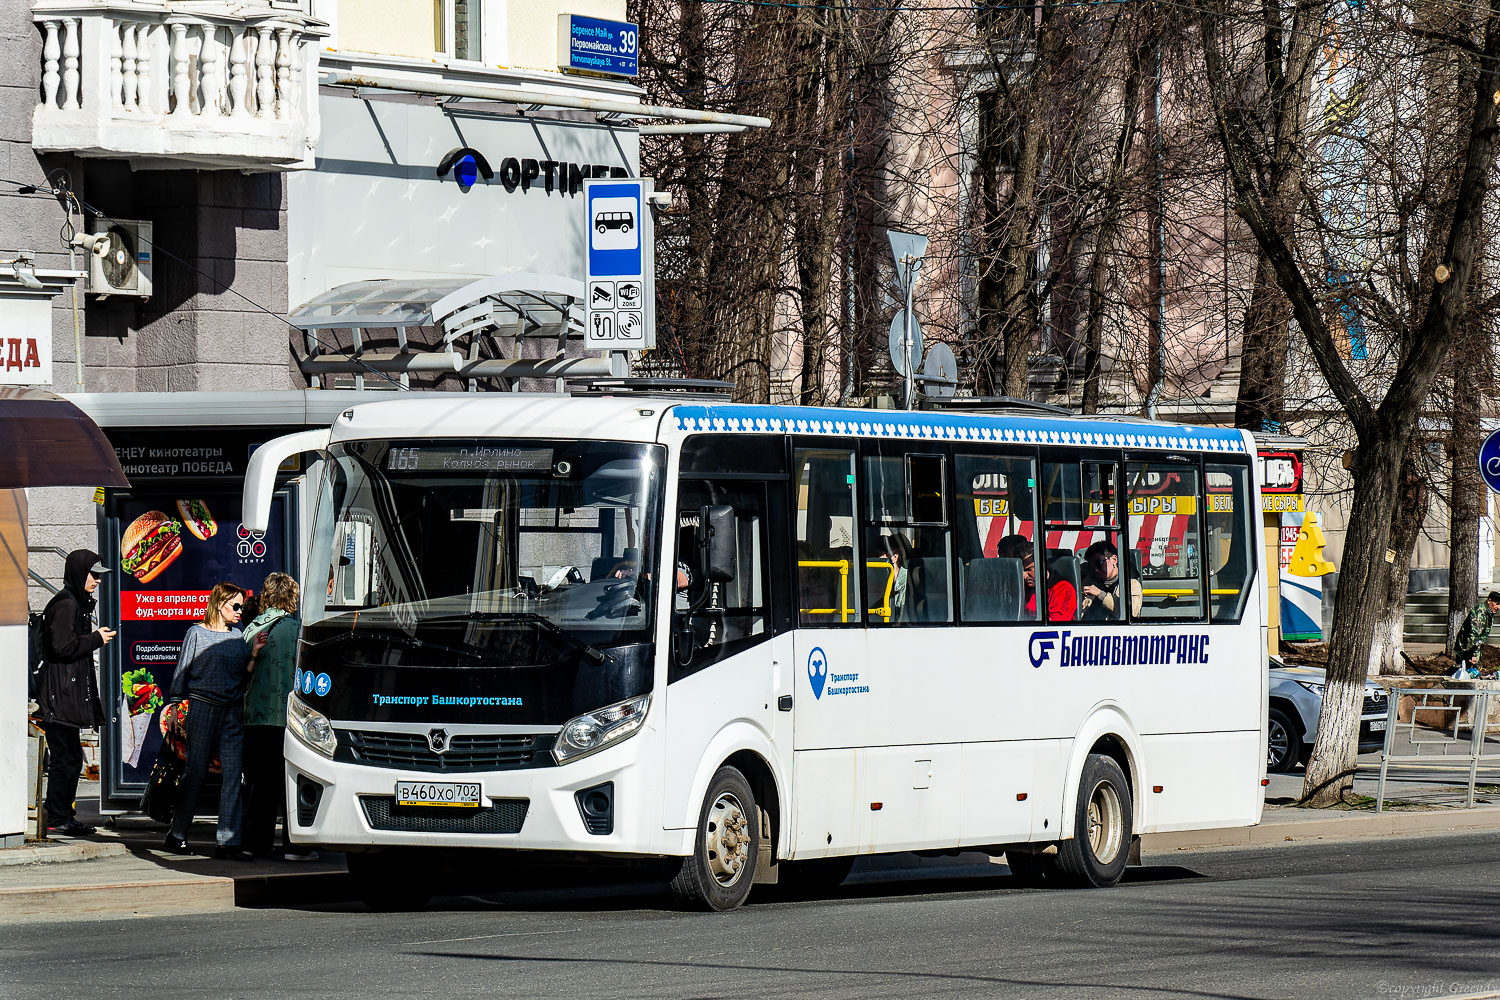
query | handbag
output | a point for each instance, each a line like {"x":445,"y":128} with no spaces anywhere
{"x":160,"y":798}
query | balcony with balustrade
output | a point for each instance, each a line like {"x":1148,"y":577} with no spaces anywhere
{"x":188,"y":84}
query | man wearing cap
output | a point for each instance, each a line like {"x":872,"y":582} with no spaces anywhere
{"x":1474,"y":633}
{"x":69,"y":695}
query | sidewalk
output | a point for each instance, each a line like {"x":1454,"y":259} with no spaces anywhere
{"x":122,"y":872}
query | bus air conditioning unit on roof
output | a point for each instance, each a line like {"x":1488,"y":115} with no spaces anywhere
{"x":125,"y":268}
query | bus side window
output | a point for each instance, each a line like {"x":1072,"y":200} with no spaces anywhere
{"x":1231,"y":540}
{"x":994,"y":525}
{"x":1163,"y":501}
{"x":828,"y":584}
{"x":908,"y":550}
{"x":734,"y":615}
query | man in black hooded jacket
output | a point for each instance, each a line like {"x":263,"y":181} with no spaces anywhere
{"x":69,"y":695}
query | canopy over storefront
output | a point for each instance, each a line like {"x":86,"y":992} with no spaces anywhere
{"x":51,"y":442}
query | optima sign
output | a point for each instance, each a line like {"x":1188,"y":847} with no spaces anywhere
{"x":524,"y":172}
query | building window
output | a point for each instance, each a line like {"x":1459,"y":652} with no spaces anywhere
{"x":456,"y":29}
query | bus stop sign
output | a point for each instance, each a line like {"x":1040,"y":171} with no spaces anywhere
{"x":618,"y":311}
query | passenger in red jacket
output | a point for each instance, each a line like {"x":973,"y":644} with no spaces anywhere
{"x":1062,"y":598}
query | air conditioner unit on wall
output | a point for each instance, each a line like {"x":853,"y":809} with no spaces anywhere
{"x":125,"y":269}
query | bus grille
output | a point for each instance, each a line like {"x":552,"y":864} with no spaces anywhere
{"x":502,"y":816}
{"x":468,"y":752}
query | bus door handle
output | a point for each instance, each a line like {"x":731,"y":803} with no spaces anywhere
{"x":784,"y":703}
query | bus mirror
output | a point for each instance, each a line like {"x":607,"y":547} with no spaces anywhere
{"x":716,"y":542}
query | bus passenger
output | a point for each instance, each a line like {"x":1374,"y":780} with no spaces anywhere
{"x":898,"y":552}
{"x":1101,"y":595}
{"x":1062,"y":599}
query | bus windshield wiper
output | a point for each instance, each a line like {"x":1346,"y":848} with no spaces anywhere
{"x":547,"y":624}
{"x":410,"y":641}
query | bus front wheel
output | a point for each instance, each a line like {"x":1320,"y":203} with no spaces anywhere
{"x":720,"y":871}
{"x":1096,"y":855}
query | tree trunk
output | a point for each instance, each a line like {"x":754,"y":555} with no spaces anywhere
{"x":1330,"y":771}
{"x":1261,"y":400}
{"x":1466,"y":499}
{"x":1093,"y":331}
{"x":1407,"y":517}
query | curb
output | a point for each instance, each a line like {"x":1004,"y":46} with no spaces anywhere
{"x":52,"y":851}
{"x":1337,"y":827}
{"x":119,"y":899}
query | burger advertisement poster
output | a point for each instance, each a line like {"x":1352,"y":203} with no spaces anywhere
{"x":172,"y":549}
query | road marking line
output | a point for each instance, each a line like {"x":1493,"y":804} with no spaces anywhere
{"x":486,"y":937}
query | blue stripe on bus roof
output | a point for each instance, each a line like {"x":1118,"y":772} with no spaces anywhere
{"x":1009,"y":429}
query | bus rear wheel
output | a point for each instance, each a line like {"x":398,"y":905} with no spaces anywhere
{"x":1100,"y":848}
{"x":720,"y":871}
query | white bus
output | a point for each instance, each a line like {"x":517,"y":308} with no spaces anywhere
{"x":765,"y":640}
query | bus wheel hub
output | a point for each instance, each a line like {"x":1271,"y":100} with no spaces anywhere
{"x":726,"y":839}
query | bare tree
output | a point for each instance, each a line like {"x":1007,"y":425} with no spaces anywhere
{"x":1383,"y":426}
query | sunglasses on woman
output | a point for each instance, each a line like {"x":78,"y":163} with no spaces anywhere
{"x":237,"y":607}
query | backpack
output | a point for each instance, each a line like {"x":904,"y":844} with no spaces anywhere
{"x":36,"y":648}
{"x":36,"y":655}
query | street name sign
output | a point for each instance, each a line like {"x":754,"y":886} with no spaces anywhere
{"x":621,"y":288}
{"x":593,"y":45}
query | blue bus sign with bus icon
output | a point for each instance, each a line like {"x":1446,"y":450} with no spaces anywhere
{"x":619,"y":257}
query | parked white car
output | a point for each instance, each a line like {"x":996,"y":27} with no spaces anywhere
{"x":1296,"y":703}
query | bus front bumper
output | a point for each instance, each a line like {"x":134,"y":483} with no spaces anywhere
{"x":347,"y":806}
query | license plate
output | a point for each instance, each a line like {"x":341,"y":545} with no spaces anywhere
{"x":1377,"y":725}
{"x":438,"y":793}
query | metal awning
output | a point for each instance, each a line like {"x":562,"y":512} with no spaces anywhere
{"x":503,"y":307}
{"x":535,"y":98}
{"x":50,"y":442}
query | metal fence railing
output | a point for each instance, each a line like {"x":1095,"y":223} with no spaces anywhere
{"x":1457,"y":744}
{"x":40,"y":580}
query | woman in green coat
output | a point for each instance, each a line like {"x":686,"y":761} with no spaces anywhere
{"x":265,"y":718}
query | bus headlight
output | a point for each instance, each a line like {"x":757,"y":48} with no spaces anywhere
{"x":310,"y":726}
{"x":604,"y":727}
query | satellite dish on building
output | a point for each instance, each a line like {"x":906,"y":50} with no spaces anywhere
{"x":905,"y":362}
{"x":940,"y":371}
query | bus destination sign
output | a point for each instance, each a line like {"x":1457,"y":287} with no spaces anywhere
{"x":468,"y":458}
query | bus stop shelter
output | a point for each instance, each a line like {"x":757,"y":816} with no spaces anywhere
{"x":47,"y":442}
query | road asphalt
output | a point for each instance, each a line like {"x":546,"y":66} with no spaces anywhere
{"x":1405,"y":918}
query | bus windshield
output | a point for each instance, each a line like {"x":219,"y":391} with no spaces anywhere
{"x":559,"y":536}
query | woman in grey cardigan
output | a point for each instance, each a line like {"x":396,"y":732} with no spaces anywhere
{"x":212,"y":669}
